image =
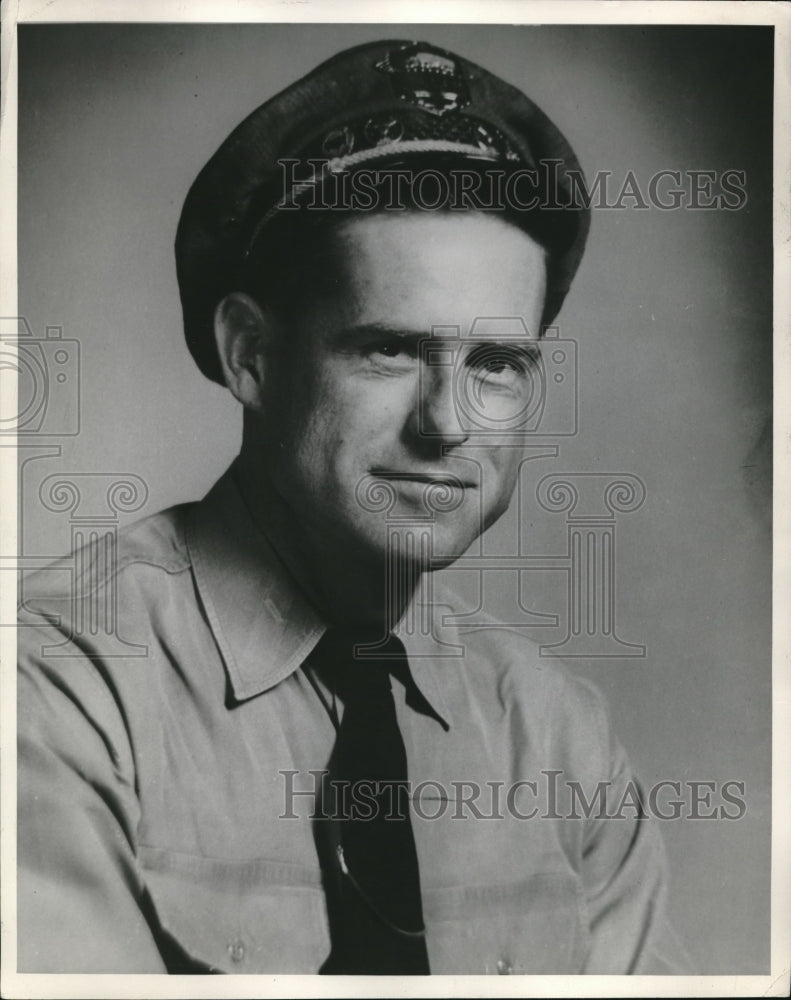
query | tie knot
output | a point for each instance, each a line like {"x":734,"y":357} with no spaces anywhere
{"x":360,"y":674}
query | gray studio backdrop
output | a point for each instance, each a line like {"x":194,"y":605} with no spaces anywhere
{"x":671,"y":314}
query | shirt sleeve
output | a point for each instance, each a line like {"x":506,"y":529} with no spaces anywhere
{"x":81,"y":898}
{"x":626,"y":877}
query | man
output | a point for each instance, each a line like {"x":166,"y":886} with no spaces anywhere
{"x":292,"y":779}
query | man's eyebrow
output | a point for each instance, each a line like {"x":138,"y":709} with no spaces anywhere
{"x":379,"y":331}
{"x":354,"y":336}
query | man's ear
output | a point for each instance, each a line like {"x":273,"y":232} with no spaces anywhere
{"x":243,"y":332}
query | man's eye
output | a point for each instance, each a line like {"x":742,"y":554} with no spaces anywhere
{"x":501,"y":362}
{"x":390,"y":350}
{"x":498,"y":365}
{"x":398,"y":351}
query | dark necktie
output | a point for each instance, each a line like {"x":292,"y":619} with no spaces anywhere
{"x":376,"y":920}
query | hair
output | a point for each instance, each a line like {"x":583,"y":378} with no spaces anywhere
{"x":295,"y":245}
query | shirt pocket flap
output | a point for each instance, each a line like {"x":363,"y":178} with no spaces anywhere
{"x":247,"y":916}
{"x":533,"y":925}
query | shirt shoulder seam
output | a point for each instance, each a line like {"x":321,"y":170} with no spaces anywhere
{"x":171,"y":567}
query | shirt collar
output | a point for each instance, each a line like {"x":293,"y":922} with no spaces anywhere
{"x":263,"y":623}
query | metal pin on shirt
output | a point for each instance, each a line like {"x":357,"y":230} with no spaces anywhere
{"x":367,"y":900}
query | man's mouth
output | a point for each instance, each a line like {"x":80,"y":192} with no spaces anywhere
{"x":429,"y":478}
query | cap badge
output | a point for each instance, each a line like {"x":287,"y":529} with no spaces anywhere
{"x":338,"y":142}
{"x":383,"y":128}
{"x":428,"y":77}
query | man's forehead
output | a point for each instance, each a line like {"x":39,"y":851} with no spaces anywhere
{"x":464,"y":240}
{"x":415,"y":247}
{"x":467,"y":278}
{"x":500,"y":329}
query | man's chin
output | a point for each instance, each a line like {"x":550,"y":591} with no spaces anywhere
{"x":420,"y":545}
{"x":412,"y":552}
{"x":439,"y":553}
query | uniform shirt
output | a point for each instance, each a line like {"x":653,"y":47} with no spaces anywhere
{"x":161,"y":825}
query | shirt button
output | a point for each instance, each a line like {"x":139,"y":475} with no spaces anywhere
{"x":236,"y":951}
{"x":504,"y":967}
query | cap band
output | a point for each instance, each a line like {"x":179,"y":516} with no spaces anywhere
{"x":386,"y":151}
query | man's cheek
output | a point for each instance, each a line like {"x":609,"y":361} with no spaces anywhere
{"x":499,"y":483}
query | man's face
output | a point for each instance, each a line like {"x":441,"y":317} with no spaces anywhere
{"x":360,"y":416}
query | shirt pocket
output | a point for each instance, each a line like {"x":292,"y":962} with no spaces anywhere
{"x":536,"y":925}
{"x":248,"y":916}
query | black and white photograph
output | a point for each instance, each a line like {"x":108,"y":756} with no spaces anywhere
{"x":392,"y":581}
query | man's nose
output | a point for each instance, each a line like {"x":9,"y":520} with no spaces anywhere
{"x":438,"y":409}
